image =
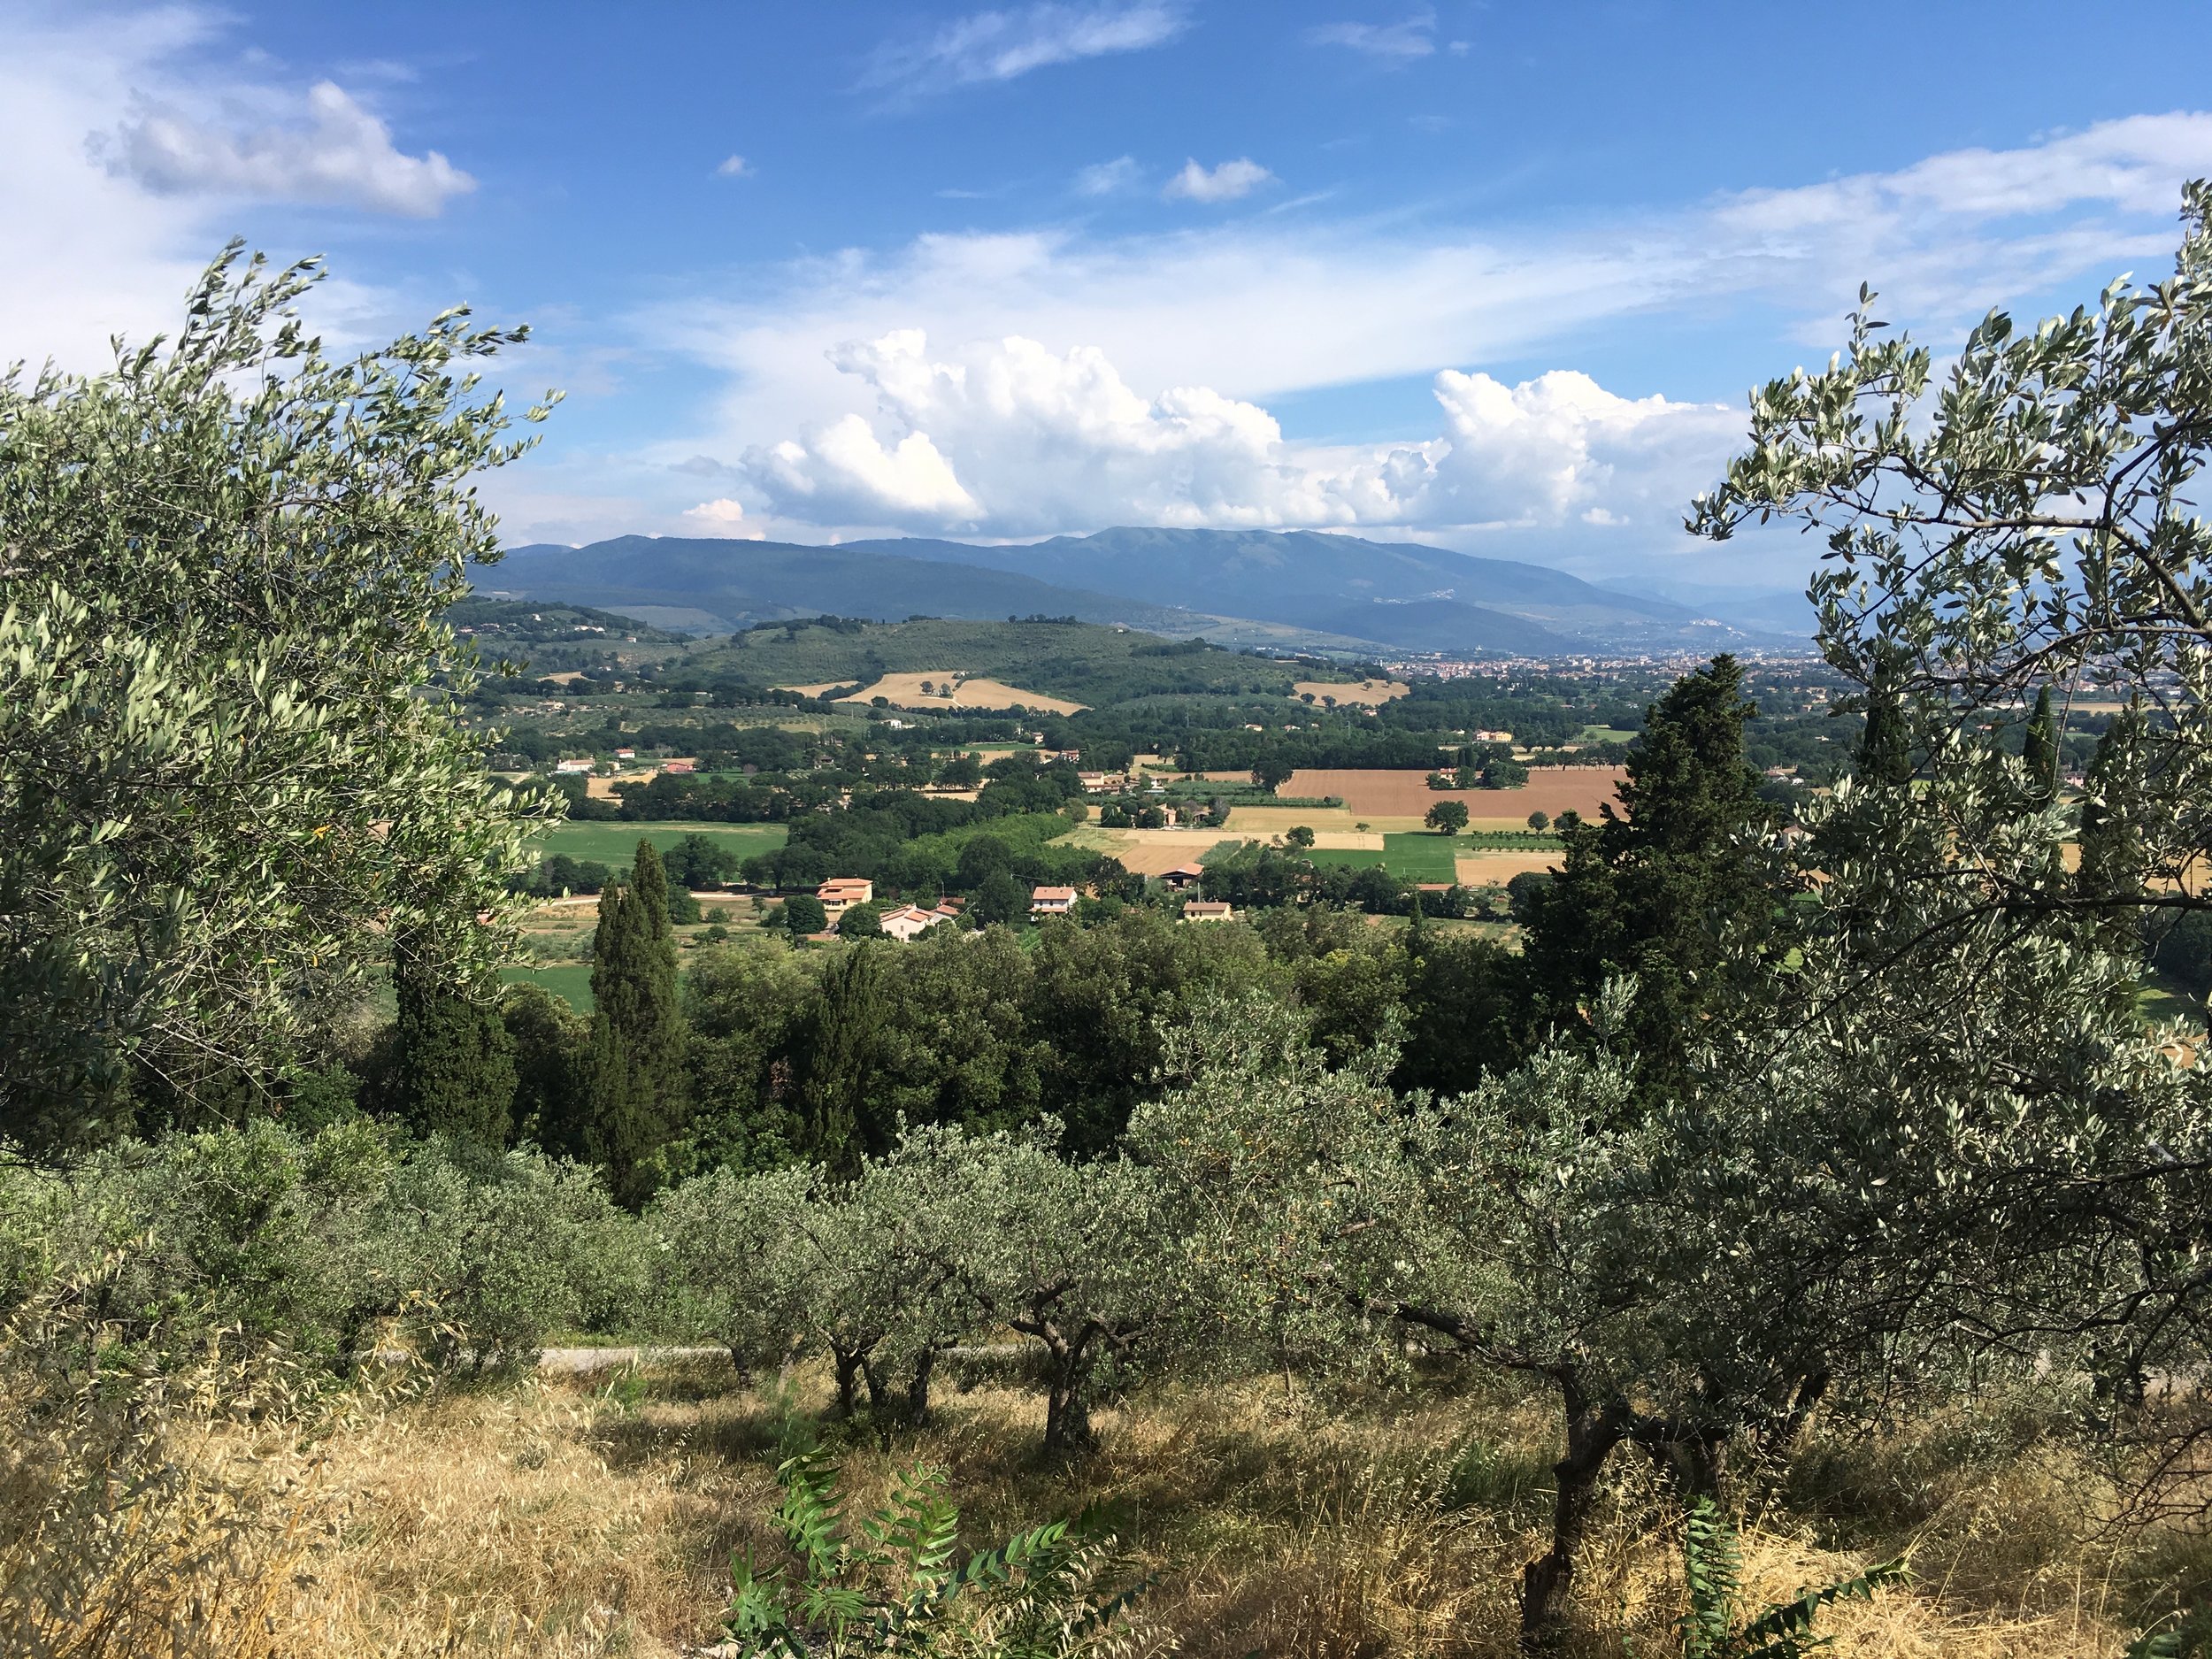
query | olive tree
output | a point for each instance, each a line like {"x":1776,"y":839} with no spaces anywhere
{"x":870,"y":1272}
{"x":1657,"y":1269}
{"x":225,"y":781}
{"x":1075,"y":1256}
{"x":2026,"y":1165}
{"x":730,"y":1270}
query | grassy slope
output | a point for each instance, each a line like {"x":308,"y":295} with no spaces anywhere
{"x":1095,"y":665}
{"x":598,"y":1515}
{"x":616,"y":842}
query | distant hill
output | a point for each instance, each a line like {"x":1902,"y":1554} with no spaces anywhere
{"x":721,"y":585}
{"x":1397,"y":593}
{"x":1090,"y":665}
{"x":551,"y":622}
{"x":1297,"y":588}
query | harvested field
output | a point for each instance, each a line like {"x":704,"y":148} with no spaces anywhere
{"x":1484,"y":870}
{"x":904,"y":691}
{"x":1375,"y":794}
{"x":1370,"y":693}
{"x":1153,"y":852}
{"x":1273,"y":821}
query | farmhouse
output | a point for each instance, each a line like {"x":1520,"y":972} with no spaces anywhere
{"x":841,"y":894}
{"x":1181,"y":879}
{"x":1052,"y":900}
{"x":679,"y":767}
{"x":1208,"y":911}
{"x":572,"y":766}
{"x":910,"y":922}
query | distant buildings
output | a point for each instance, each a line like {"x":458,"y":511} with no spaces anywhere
{"x":841,"y":894}
{"x":572,"y":766}
{"x":1181,"y":879}
{"x":910,"y":922}
{"x":1208,"y":910}
{"x":1051,"y":902}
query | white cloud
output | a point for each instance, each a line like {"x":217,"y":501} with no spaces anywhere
{"x":735,"y":168}
{"x":335,"y":154}
{"x":1402,"y":41}
{"x":721,"y":518}
{"x":992,"y":46}
{"x":1258,"y":307}
{"x":1009,"y":438}
{"x":1224,"y":183}
{"x":1109,"y":178}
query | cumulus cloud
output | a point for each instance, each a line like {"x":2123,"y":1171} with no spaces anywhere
{"x":1255,"y":307}
{"x":1400,"y":43}
{"x":335,"y":154}
{"x":1224,"y":183}
{"x":993,"y":46}
{"x":1109,"y":178}
{"x":1008,"y":438}
{"x":721,"y":518}
{"x":734,"y":167}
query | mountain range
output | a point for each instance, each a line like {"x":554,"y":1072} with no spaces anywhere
{"x":1297,"y":588}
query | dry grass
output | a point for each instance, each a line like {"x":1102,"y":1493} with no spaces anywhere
{"x":1495,"y":869}
{"x":904,"y":691}
{"x":574,"y":1520}
{"x":1368,"y":693}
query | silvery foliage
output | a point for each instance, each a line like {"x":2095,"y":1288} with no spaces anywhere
{"x":223,"y":570}
{"x":326,"y":1245}
{"x":1974,"y":1143}
{"x":946,"y":1237}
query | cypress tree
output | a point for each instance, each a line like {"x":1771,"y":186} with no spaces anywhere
{"x":2039,"y":751}
{"x":633,"y":1088}
{"x":455,"y":1072}
{"x":1885,"y":751}
{"x":840,"y":1048}
{"x":2114,"y":863}
{"x":1653,"y":893}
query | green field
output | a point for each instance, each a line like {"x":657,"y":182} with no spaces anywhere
{"x":571,"y":981}
{"x":616,"y":843}
{"x":1416,"y":855}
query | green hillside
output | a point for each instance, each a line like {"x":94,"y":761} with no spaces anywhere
{"x":1092,"y":665}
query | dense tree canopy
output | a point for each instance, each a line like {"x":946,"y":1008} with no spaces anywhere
{"x":220,"y":793}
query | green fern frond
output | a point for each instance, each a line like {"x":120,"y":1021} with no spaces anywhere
{"x":1712,"y":1568}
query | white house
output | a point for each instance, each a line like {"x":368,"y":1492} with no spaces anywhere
{"x":1051,"y":900}
{"x":908,"y":922}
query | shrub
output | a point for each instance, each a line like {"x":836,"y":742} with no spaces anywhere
{"x":1044,"y":1591}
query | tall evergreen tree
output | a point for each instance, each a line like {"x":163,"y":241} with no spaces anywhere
{"x":1885,"y":751}
{"x":632,"y":1103}
{"x":2114,"y":859}
{"x":2039,"y":751}
{"x":1654,"y":892}
{"x":456,"y":1062}
{"x":840,"y":1048}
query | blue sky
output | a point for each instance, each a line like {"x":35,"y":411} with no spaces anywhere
{"x":1490,"y":276}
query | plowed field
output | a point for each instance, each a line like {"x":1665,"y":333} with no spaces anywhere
{"x":1374,"y":794}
